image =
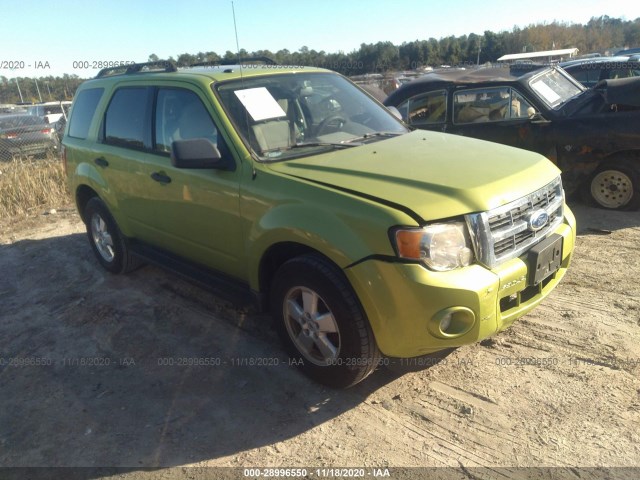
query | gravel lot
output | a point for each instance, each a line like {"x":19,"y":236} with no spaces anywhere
{"x":148,"y":371}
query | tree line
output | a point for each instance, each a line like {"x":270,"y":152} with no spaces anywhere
{"x":32,"y":90}
{"x":601,"y":34}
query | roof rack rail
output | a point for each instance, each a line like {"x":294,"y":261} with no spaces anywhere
{"x":157,"y":67}
{"x":235,"y":61}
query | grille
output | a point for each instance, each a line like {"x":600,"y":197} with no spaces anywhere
{"x":507,"y":231}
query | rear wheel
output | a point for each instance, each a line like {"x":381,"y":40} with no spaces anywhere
{"x":321,"y":322}
{"x":107,"y":242}
{"x":614,"y":186}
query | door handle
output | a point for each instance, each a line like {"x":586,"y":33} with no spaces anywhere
{"x":101,"y":162}
{"x":161,"y":178}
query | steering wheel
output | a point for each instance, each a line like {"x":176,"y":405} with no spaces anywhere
{"x":331,"y":123}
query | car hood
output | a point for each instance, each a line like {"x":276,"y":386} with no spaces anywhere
{"x":434,"y":175}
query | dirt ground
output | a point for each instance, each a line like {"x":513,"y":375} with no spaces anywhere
{"x":147,"y":371}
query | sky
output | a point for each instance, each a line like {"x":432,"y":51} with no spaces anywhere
{"x":52,"y":38}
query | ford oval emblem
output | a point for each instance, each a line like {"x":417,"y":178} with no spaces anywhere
{"x":537,"y":220}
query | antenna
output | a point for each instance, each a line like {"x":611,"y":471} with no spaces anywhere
{"x":246,"y":114}
{"x":235,"y":28}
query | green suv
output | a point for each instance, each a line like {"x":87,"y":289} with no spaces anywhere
{"x":362,"y":238}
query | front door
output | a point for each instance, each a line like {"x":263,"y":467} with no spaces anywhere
{"x":195,"y":212}
{"x":497,"y":114}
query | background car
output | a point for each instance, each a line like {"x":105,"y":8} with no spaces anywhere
{"x":628,"y":51}
{"x":591,"y":134}
{"x":51,"y":112}
{"x":26,"y":135}
{"x":380,"y":85}
{"x":589,"y":71}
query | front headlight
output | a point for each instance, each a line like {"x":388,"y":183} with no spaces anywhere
{"x":440,"y":246}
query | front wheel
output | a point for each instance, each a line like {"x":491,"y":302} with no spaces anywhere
{"x":107,"y":242}
{"x":321,"y":322}
{"x":614,"y":186}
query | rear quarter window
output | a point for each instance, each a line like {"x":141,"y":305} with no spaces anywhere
{"x":84,"y":108}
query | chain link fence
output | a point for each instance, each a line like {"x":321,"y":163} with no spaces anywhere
{"x":33,"y":114}
{"x":32,"y":130}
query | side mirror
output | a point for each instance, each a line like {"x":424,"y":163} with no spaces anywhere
{"x":396,"y":112}
{"x":538,"y":119}
{"x":198,"y":153}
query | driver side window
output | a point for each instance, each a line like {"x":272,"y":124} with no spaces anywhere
{"x":493,"y":104}
{"x":181,"y":115}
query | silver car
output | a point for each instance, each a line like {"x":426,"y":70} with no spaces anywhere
{"x":23,"y":135}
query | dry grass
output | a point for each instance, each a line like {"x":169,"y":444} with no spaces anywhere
{"x":28,"y":186}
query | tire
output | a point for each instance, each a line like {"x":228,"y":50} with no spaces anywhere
{"x":614,"y":186}
{"x":106,"y":240}
{"x":330,"y":340}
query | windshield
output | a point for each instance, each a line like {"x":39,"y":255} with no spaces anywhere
{"x":554,"y":88}
{"x":290,"y":115}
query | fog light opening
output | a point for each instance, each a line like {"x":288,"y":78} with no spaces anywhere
{"x":452,"y":322}
{"x":445,"y":322}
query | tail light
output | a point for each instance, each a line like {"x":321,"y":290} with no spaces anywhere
{"x":10,"y":135}
{"x":46,"y":131}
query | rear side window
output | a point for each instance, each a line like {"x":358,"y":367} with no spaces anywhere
{"x":84,"y":107}
{"x":125,"y":119}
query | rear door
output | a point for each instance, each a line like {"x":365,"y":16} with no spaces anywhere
{"x":107,"y":168}
{"x":125,"y":134}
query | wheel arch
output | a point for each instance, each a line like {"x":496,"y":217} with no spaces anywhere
{"x":84,"y":193}
{"x":290,"y":230}
{"x":276,"y":256}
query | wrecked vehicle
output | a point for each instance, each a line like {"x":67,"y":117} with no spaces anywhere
{"x":592,"y":135}
{"x":291,"y":186}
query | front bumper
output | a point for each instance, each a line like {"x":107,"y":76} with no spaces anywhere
{"x":404,"y":302}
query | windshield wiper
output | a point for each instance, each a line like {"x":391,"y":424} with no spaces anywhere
{"x":306,"y":144}
{"x":320,"y":144}
{"x":366,"y":136}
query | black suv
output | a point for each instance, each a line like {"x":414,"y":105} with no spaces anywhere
{"x":591,"y":134}
{"x":590,"y":71}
